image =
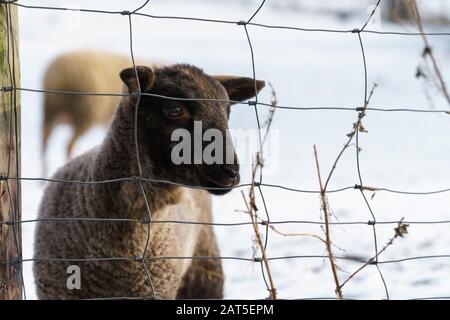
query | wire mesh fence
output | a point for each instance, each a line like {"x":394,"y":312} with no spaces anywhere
{"x":256,"y":185}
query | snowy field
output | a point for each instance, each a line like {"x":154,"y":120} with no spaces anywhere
{"x":404,"y":151}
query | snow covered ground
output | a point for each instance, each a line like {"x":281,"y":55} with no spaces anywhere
{"x":400,"y":151}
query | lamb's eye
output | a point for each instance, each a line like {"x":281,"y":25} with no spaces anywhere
{"x":175,"y":112}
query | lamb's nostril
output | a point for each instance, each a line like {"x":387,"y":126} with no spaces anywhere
{"x":231,"y":172}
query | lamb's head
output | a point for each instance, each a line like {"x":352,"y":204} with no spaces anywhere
{"x":187,"y":140}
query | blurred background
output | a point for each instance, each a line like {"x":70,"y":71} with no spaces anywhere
{"x":404,"y":151}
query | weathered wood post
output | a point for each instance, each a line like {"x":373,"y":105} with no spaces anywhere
{"x":10,"y":210}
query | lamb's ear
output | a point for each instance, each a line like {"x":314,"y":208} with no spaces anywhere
{"x":240,"y":88}
{"x":146,"y":78}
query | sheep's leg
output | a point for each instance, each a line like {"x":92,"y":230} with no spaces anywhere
{"x":77,"y":133}
{"x":47,"y":130}
{"x":204,"y":278}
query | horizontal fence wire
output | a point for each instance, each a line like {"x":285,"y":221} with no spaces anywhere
{"x":360,"y":187}
{"x":220,"y":224}
{"x":153,"y":258}
{"x":250,"y":103}
{"x":238,"y":22}
{"x":242,"y":185}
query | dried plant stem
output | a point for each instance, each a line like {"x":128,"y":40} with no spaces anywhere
{"x":273,"y":102}
{"x":285,"y":234}
{"x":251,"y":209}
{"x":429,"y":52}
{"x":400,"y":231}
{"x":326,"y":213}
{"x":251,"y":202}
{"x":356,"y":126}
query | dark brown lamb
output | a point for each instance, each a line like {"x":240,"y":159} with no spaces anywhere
{"x":116,"y":158}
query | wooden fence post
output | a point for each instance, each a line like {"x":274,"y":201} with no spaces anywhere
{"x":10,"y":208}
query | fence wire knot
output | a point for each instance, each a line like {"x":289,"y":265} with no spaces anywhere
{"x":373,"y":262}
{"x":15,"y":261}
{"x":7,"y":89}
{"x":10,"y":223}
{"x":136,"y":179}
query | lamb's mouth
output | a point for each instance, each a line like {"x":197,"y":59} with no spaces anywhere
{"x":219,"y":187}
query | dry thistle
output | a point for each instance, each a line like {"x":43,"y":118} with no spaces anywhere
{"x":400,"y":231}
